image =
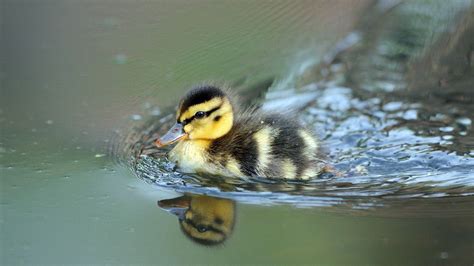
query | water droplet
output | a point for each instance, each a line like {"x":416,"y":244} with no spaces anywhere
{"x":136,"y":117}
{"x":445,"y":143}
{"x":446,"y":129}
{"x":439,"y":117}
{"x":392,"y":106}
{"x":111,"y":21}
{"x":410,"y":115}
{"x":120,"y":59}
{"x":99,"y":155}
{"x":156,"y":111}
{"x":360,"y":169}
{"x":464,"y":121}
{"x":444,"y":255}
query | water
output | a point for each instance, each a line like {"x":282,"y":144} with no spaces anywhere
{"x":395,"y":115}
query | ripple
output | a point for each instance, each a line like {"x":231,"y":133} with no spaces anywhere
{"x":390,"y":146}
{"x":380,"y":159}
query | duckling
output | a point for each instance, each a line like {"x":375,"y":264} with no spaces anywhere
{"x":205,"y":220}
{"x":214,"y":137}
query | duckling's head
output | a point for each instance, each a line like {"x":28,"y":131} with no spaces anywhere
{"x":204,"y":113}
{"x":205,"y":220}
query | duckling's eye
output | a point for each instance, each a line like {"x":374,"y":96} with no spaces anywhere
{"x":202,"y":228}
{"x":199,"y":114}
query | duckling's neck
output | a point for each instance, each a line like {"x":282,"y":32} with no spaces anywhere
{"x":191,"y":155}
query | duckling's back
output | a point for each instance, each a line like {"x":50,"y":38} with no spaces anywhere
{"x":268,"y":146}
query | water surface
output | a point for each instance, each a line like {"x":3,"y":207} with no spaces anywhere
{"x":86,"y":87}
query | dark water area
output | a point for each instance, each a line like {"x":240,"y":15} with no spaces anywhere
{"x":387,"y":85}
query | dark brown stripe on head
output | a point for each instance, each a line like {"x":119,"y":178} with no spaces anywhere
{"x":203,"y":241}
{"x":199,"y":95}
{"x":188,"y":120}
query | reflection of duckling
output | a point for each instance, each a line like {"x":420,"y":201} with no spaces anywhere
{"x":215,"y":138}
{"x":205,"y":220}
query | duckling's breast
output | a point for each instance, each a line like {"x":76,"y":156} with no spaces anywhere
{"x":193,"y":157}
{"x":190,"y":156}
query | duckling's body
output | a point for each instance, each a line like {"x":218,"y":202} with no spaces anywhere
{"x":241,"y":144}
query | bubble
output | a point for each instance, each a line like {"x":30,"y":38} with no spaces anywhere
{"x":49,"y":122}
